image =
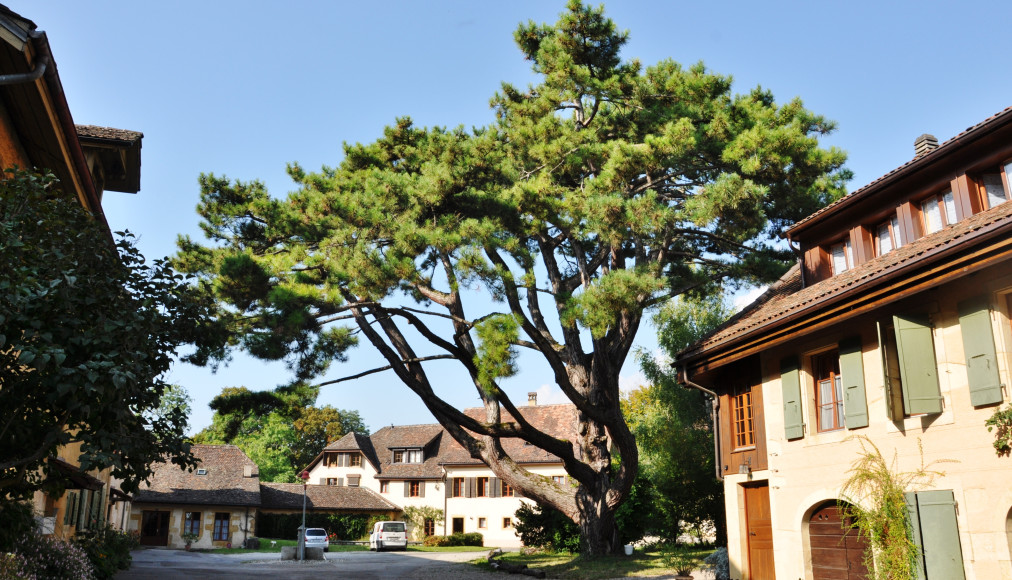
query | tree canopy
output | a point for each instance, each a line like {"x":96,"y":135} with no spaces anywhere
{"x":281,"y":430}
{"x":601,"y":191}
{"x":87,"y":329}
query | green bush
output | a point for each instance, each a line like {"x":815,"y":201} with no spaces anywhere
{"x":547,"y":528}
{"x":107,"y":549}
{"x":455,"y":539}
{"x":346,"y":526}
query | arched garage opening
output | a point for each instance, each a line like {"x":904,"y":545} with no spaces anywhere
{"x":837,"y":550}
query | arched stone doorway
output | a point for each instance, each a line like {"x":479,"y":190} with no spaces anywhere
{"x":837,"y":550}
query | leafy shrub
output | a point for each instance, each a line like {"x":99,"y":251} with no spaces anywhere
{"x":544,"y":527}
{"x":346,"y":526}
{"x":679,"y":557}
{"x":455,"y":539}
{"x":49,"y":557}
{"x":107,"y":549}
{"x":718,"y":564}
{"x":16,"y":521}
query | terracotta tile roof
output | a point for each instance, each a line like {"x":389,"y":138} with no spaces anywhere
{"x":786,"y":297}
{"x":428,"y":437}
{"x":108,"y":133}
{"x":322,"y":497}
{"x":224,"y":483}
{"x":995,"y":120}
{"x":556,"y":420}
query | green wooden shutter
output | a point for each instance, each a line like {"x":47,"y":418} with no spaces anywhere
{"x":978,"y":348}
{"x":918,"y":369}
{"x":943,"y":558}
{"x":852,"y":374}
{"x":883,"y":349}
{"x":790,"y":385}
{"x":915,"y":526}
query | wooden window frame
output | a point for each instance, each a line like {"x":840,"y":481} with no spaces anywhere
{"x":507,"y":523}
{"x":355,"y":460}
{"x":415,"y":488}
{"x":506,"y":489}
{"x":892,"y":228}
{"x":826,"y":369}
{"x":429,"y":527}
{"x":943,"y":212}
{"x":191,"y":524}
{"x":457,"y":488}
{"x":384,"y":486}
{"x":559,"y":479}
{"x":742,"y":420}
{"x":331,"y":481}
{"x":848,"y":256}
{"x":482,"y":523}
{"x":482,"y":487}
{"x":1004,"y":180}
{"x":222,"y":525}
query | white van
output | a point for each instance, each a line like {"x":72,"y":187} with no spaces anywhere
{"x":388,"y":535}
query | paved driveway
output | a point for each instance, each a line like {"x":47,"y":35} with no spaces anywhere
{"x":158,"y":564}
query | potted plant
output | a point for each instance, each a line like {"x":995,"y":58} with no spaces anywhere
{"x":189,"y":537}
{"x":682,"y":560}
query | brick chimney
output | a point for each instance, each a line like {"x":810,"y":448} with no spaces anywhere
{"x":926,"y":143}
{"x":532,"y":399}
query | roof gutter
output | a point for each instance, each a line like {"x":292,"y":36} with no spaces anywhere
{"x":714,"y":406}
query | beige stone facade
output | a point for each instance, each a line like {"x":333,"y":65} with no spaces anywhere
{"x":908,"y":346}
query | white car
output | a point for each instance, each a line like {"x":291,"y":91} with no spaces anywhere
{"x":317,"y":538}
{"x":388,"y":535}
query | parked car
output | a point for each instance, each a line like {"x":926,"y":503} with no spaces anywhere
{"x":388,"y":535}
{"x":317,"y":538}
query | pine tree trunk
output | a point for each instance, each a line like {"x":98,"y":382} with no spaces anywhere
{"x":598,"y":531}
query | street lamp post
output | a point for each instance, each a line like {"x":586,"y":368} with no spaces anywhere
{"x":302,"y":529}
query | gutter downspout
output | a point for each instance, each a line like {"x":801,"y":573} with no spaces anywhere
{"x":714,"y":406}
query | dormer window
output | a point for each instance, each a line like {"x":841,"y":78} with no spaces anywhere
{"x":841,"y":257}
{"x":994,"y":187}
{"x":938,"y":211}
{"x":407,"y":455}
{"x":887,"y":236}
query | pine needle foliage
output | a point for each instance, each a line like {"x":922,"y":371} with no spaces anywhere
{"x":873,"y":499}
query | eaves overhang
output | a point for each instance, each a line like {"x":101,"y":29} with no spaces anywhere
{"x":976,"y":243}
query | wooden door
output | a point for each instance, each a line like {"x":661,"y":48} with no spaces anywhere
{"x":759,"y":524}
{"x":154,"y":528}
{"x":837,"y":550}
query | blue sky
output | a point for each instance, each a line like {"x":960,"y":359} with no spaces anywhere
{"x":242,"y":88}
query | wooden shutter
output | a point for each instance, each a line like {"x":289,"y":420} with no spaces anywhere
{"x":939,"y":534}
{"x":978,"y":349}
{"x":915,"y":526}
{"x":407,"y":488}
{"x":340,"y":481}
{"x":421,"y":489}
{"x":496,"y":487}
{"x":469,"y":483}
{"x":852,"y":374}
{"x":918,"y":369}
{"x":790,"y":385}
{"x":323,"y":481}
{"x":448,"y":487}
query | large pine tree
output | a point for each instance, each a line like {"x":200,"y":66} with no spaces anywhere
{"x":601,"y":191}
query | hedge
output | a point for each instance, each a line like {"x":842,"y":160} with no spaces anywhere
{"x":346,"y":526}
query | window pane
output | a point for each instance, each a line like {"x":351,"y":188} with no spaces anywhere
{"x":950,"y":207}
{"x":995,"y":189}
{"x":839,"y":259}
{"x":897,"y":236}
{"x":885,"y":240}
{"x":932,"y":215}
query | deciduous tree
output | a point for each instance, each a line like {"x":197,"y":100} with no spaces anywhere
{"x":604,"y":189}
{"x":87,"y":330}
